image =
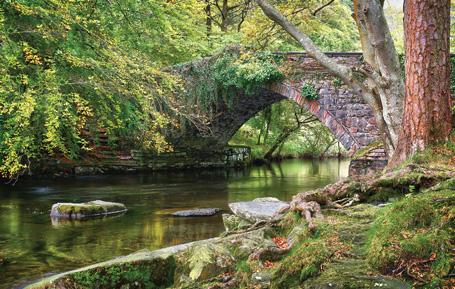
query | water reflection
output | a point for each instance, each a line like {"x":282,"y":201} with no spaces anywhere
{"x":35,"y":245}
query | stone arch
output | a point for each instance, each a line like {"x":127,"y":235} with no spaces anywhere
{"x":343,"y":134}
{"x":347,"y":116}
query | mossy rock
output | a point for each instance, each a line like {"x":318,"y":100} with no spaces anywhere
{"x":202,"y":261}
{"x":233,"y":222}
{"x":86,"y":210}
{"x":140,"y":270}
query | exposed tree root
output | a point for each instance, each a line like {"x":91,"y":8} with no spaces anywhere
{"x":309,"y":203}
{"x":269,"y":253}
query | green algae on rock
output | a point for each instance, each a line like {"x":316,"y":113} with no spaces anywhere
{"x":86,"y":210}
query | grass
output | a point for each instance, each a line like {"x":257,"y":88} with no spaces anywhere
{"x":306,"y":259}
{"x":412,"y":238}
{"x":440,"y":155}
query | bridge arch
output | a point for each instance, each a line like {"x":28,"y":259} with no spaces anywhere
{"x":346,"y":115}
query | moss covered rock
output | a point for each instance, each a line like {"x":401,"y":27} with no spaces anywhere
{"x":202,"y":261}
{"x":233,"y":222}
{"x":86,"y":210}
{"x":144,"y":269}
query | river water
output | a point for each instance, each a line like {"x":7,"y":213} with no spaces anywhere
{"x":35,"y":246}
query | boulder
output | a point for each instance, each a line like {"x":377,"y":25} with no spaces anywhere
{"x":261,"y":209}
{"x":233,"y":222}
{"x":244,"y":244}
{"x":86,"y":210}
{"x":205,"y":260}
{"x":197,"y":212}
{"x":143,"y":269}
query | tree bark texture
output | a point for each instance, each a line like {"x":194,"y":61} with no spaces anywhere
{"x":427,"y":110}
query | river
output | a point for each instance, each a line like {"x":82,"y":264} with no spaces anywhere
{"x":35,"y":246}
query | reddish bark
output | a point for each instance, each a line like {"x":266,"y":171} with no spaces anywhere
{"x":427,"y":116}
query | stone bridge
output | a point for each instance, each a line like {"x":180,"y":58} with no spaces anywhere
{"x":348,"y":117}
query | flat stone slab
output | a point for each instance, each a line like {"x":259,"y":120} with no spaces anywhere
{"x":86,"y":210}
{"x":261,"y":209}
{"x":197,"y":212}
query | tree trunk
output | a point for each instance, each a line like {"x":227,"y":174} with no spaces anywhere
{"x":208,"y":20}
{"x":280,"y":140}
{"x":224,"y":16}
{"x":427,"y":116}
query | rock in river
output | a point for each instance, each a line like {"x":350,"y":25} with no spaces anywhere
{"x":86,"y":210}
{"x":197,"y":212}
{"x":261,"y":209}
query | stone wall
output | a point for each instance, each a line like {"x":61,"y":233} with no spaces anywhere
{"x":136,"y":160}
{"x":372,"y":159}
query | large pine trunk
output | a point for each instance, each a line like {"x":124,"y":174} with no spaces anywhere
{"x":427,"y":115}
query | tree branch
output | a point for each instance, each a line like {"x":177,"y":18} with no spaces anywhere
{"x":322,"y":7}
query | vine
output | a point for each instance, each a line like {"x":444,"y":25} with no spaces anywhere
{"x":215,"y":80}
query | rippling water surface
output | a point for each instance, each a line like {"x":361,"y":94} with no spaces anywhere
{"x":35,"y":246}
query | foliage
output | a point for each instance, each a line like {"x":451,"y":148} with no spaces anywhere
{"x":309,"y":92}
{"x":261,"y":132}
{"x":332,"y":28}
{"x":247,"y":70}
{"x":394,"y":16}
{"x":412,"y":237}
{"x":214,"y":79}
{"x":71,"y":66}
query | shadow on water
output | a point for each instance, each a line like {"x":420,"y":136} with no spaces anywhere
{"x":34,"y":245}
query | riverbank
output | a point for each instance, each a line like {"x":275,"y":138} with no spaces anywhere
{"x":389,"y":231}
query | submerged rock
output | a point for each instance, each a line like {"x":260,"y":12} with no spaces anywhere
{"x":197,"y":212}
{"x":261,"y":209}
{"x":86,"y":210}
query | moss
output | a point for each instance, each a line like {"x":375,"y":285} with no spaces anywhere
{"x":82,"y":210}
{"x":307,"y":258}
{"x":440,"y":156}
{"x":413,"y":236}
{"x":365,"y":150}
{"x":145,"y":274}
{"x":89,"y":209}
{"x":289,"y":221}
